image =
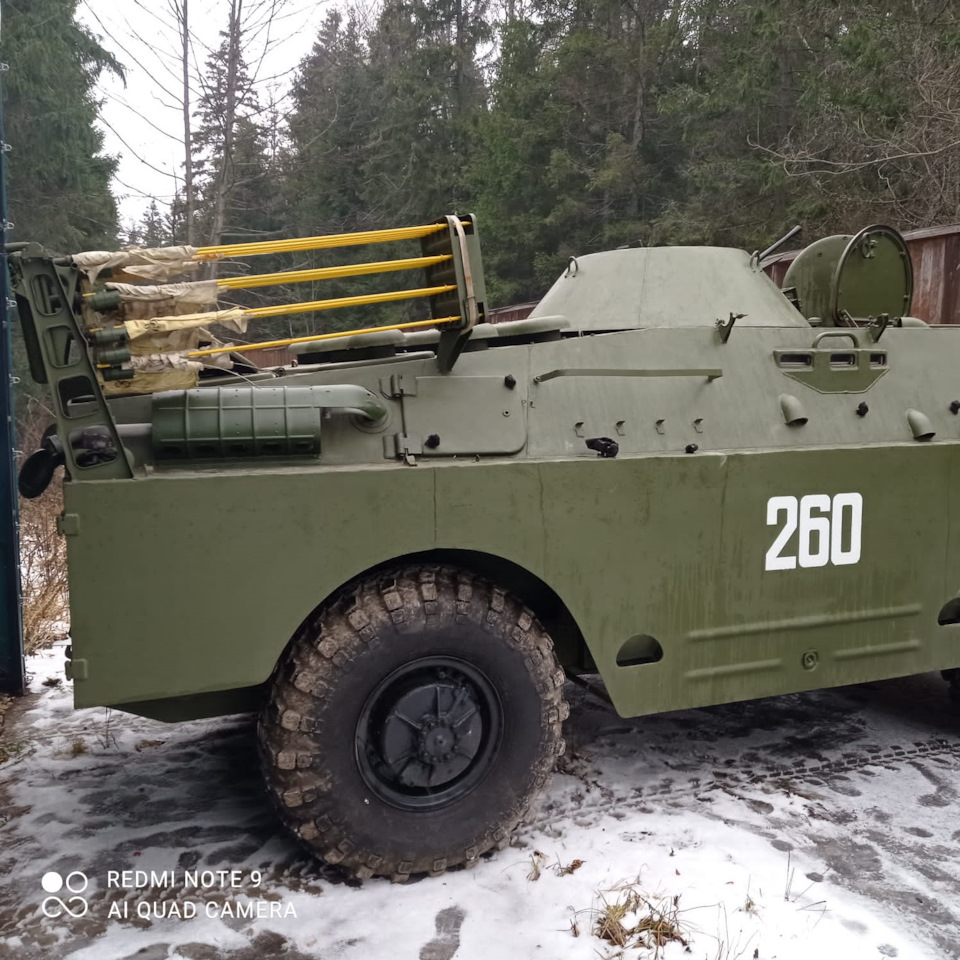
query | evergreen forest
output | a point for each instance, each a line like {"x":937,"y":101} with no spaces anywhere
{"x":567,"y":126}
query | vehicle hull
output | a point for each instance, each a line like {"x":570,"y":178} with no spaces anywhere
{"x":670,"y":547}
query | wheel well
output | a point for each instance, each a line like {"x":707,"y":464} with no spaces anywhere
{"x":950,"y":612}
{"x":550,"y":610}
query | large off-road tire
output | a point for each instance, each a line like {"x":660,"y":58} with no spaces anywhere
{"x":411,"y":721}
{"x":952,"y":676}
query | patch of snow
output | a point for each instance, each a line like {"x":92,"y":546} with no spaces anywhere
{"x":785,"y":829}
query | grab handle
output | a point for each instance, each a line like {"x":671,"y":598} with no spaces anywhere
{"x":835,"y":333}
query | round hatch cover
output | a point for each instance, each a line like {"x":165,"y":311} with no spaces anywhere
{"x":809,"y":280}
{"x":874,"y":275}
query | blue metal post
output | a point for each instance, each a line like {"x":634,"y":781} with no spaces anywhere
{"x":11,"y":623}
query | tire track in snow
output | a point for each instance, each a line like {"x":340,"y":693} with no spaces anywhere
{"x":601,"y":800}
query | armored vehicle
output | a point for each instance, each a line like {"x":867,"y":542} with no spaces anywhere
{"x":673,"y":474}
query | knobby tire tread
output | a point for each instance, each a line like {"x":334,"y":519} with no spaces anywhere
{"x":324,"y":649}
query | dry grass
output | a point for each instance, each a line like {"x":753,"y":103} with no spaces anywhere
{"x":5,"y":704}
{"x":12,"y":750}
{"x":538,"y":861}
{"x":43,"y":552}
{"x":628,"y":919}
{"x":562,"y":870}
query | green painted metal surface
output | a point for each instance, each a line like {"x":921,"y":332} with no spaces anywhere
{"x":767,"y":524}
{"x":840,"y":278}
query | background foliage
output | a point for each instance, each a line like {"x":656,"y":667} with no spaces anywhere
{"x":566,"y":125}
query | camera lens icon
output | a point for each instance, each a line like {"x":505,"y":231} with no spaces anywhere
{"x":52,"y":882}
{"x":75,"y":882}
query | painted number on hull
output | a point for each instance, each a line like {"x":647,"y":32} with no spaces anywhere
{"x":829,"y":530}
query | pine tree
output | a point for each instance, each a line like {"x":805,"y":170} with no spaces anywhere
{"x":58,"y":179}
{"x":573,"y":154}
{"x":332,"y":133}
{"x":508,"y":171}
{"x":424,"y":61}
{"x":225,"y":130}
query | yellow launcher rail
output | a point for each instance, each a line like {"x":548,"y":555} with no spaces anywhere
{"x":408,"y":325}
{"x":316,"y":243}
{"x":328,"y":273}
{"x":288,"y":308}
{"x":281,"y":310}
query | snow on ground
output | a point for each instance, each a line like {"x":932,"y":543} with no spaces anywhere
{"x":817,"y":825}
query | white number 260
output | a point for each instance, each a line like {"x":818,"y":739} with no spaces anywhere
{"x":829,"y":529}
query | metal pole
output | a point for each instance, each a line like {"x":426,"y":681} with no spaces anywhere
{"x":11,"y":624}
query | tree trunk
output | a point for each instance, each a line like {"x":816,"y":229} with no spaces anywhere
{"x":225,"y":178}
{"x":188,"y":188}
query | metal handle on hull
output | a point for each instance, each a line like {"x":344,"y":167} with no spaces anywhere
{"x":711,"y":373}
{"x":835,"y":333}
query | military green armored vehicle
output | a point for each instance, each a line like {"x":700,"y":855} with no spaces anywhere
{"x":672,"y":474}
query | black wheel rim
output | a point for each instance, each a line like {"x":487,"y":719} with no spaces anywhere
{"x":429,"y":733}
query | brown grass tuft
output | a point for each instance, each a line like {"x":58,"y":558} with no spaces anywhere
{"x":633,"y":920}
{"x":43,"y":552}
{"x":564,"y":871}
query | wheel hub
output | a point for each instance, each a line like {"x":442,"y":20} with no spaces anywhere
{"x":428,"y":733}
{"x":437,"y":741}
